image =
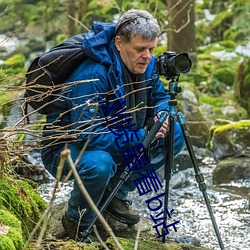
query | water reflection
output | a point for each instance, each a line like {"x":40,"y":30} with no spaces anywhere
{"x":230,"y":204}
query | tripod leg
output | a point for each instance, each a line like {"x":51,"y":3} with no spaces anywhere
{"x":168,"y":168}
{"x":199,"y":176}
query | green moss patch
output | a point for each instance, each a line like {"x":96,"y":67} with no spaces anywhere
{"x":128,"y":244}
{"x":22,"y":200}
{"x":10,"y":231}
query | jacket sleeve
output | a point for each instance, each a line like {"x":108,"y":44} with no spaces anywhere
{"x":88,"y":122}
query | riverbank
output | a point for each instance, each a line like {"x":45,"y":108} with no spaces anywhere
{"x":229,"y":202}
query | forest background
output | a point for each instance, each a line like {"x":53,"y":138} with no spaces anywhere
{"x":214,"y":33}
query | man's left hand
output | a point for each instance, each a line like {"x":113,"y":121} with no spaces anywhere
{"x":163,"y":129}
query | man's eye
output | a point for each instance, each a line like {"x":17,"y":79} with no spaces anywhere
{"x":139,"y":50}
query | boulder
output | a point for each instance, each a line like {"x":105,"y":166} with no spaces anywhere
{"x":231,"y":139}
{"x":126,"y":235}
{"x":231,"y":169}
{"x":197,"y":125}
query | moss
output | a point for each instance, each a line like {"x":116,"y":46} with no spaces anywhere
{"x":6,"y":243}
{"x":128,"y":244}
{"x":16,"y":237}
{"x":229,"y":45}
{"x":13,"y":239}
{"x":220,"y":131}
{"x":219,"y":103}
{"x":13,"y":71}
{"x":225,"y":75}
{"x":21,"y":199}
{"x":16,"y":61}
{"x":214,"y":101}
{"x":9,"y":219}
{"x":235,"y":125}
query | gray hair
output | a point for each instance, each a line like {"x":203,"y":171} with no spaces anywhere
{"x":137,"y":22}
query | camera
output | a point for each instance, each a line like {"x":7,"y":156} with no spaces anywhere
{"x":171,"y":65}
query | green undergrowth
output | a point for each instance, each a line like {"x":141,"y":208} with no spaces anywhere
{"x":10,"y":231}
{"x":20,"y":210}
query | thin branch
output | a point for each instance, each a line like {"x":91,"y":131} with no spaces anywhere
{"x":66,"y":154}
{"x":137,"y":236}
{"x":99,"y":238}
{"x":46,"y":216}
{"x":77,"y":21}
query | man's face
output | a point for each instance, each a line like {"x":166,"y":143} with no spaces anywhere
{"x":137,"y":53}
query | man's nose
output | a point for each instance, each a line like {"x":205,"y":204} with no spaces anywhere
{"x":146,"y":54}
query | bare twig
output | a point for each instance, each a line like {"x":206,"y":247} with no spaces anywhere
{"x":77,"y":21}
{"x":137,"y":236}
{"x":66,"y":154}
{"x":99,"y":238}
{"x":46,"y":216}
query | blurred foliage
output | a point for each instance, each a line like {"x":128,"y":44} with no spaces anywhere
{"x":221,"y":27}
{"x":242,"y":84}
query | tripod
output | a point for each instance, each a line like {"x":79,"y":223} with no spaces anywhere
{"x":173,"y":90}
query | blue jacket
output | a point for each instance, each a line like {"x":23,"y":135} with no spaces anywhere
{"x":86,"y":116}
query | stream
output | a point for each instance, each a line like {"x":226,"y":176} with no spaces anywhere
{"x":230,"y":203}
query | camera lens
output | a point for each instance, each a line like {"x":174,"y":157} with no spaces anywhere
{"x":171,"y":64}
{"x":182,"y":63}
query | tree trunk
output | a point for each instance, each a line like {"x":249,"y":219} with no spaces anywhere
{"x":71,"y":6}
{"x":83,"y":7}
{"x":181,"y":27}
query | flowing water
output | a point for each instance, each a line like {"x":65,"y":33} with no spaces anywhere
{"x":230,"y":204}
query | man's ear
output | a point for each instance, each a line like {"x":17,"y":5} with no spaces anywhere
{"x":118,"y":42}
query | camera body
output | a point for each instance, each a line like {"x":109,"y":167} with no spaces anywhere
{"x":171,"y":65}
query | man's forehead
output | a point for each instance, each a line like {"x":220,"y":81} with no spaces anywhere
{"x":139,"y":40}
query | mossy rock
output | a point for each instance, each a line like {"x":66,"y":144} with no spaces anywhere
{"x":219,"y":107}
{"x":224,"y":75}
{"x":232,"y":139}
{"x":21,"y":199}
{"x":11,"y":237}
{"x":16,"y":61}
{"x":128,"y":244}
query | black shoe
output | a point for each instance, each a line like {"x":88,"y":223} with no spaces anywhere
{"x":121,"y":211}
{"x":75,"y":231}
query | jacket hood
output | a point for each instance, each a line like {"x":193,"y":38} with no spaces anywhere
{"x":98,"y":43}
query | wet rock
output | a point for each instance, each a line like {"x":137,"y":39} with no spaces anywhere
{"x":231,"y":169}
{"x":197,"y":125}
{"x":181,"y":179}
{"x":127,"y":234}
{"x":231,"y":139}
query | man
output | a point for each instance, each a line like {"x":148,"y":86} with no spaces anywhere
{"x":121,"y":69}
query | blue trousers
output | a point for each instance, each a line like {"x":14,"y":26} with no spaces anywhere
{"x":100,"y":170}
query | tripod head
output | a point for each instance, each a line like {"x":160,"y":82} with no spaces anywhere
{"x":174,"y":89}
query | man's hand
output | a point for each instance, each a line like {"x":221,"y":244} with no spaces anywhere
{"x":164,"y":128}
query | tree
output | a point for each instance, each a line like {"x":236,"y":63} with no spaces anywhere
{"x":181,"y":27}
